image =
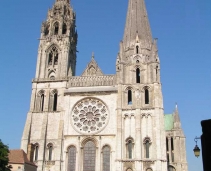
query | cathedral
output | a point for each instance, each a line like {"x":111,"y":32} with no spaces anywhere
{"x":99,"y":122}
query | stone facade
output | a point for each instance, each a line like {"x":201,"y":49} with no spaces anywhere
{"x":95,"y":121}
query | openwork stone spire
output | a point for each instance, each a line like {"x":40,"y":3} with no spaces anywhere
{"x":137,"y":25}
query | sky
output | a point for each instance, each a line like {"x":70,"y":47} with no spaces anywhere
{"x":183,"y":29}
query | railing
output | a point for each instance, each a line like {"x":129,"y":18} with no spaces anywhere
{"x":88,"y":81}
{"x":49,"y":79}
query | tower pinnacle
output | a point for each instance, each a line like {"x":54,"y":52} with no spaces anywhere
{"x":68,"y":1}
{"x":137,"y":25}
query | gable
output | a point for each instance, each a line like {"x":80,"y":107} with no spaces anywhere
{"x":92,"y":69}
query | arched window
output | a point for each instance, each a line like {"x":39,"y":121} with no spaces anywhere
{"x":89,"y":156}
{"x":149,"y":169}
{"x":129,"y":148}
{"x":50,"y":59}
{"x":71,"y":158}
{"x":56,"y":28}
{"x":47,"y":30}
{"x":147,"y":148}
{"x":129,"y":169}
{"x":64,"y":29}
{"x":53,"y":56}
{"x":138,"y":76}
{"x":171,"y":168}
{"x":146,"y":92}
{"x":53,"y":101}
{"x":36,"y":152}
{"x":50,"y":151}
{"x":172,"y":149}
{"x":167,"y":149}
{"x":40,"y":101}
{"x":129,"y":96}
{"x":106,"y":158}
{"x":137,"y":49}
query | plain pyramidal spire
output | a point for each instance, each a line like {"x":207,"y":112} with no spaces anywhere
{"x":137,"y":24}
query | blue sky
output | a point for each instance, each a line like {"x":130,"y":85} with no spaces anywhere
{"x":183,"y":29}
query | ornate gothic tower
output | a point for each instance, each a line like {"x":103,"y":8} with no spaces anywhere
{"x":57,"y":50}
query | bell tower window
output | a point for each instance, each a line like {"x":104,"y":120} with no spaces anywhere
{"x":129,"y":96}
{"x":53,"y":56}
{"x":137,"y":49}
{"x":47,"y":30}
{"x":64,"y":29}
{"x":146,"y":92}
{"x":138,"y":76}
{"x":56,"y":28}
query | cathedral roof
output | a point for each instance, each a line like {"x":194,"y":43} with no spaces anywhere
{"x":169,"y":122}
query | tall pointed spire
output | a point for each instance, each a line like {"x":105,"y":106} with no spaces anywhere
{"x":137,"y":25}
{"x":177,"y":123}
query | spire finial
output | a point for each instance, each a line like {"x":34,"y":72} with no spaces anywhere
{"x":93,"y":55}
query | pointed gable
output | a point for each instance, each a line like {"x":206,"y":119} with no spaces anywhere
{"x":92,"y":69}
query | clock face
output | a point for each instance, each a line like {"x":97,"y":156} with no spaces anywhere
{"x":90,"y":116}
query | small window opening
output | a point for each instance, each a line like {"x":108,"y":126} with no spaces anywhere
{"x":42,"y":102}
{"x":130,"y":148}
{"x":47,"y":30}
{"x":56,"y":59}
{"x":129,"y":97}
{"x":64,"y":29}
{"x":167,"y":147}
{"x":137,"y":61}
{"x":147,"y":148}
{"x":50,"y":152}
{"x":172,"y":149}
{"x":146,"y":96}
{"x":36,"y":153}
{"x":137,"y":49}
{"x":138,"y":75}
{"x":56,"y":29}
{"x":55,"y":102}
{"x":50,"y":60}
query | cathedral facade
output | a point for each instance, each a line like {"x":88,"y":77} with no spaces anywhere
{"x":99,"y":122}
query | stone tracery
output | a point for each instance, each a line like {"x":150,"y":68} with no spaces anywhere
{"x":90,"y":116}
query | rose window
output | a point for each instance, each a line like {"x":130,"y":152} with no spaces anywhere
{"x":90,"y":116}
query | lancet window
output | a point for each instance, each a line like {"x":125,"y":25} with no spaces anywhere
{"x":53,"y":56}
{"x":138,"y":76}
{"x":146,"y":95}
{"x":56,"y":28}
{"x":129,"y":148}
{"x":89,"y":156}
{"x":64,"y":29}
{"x":36,"y":152}
{"x":106,"y":158}
{"x":47,"y":30}
{"x":40,"y":101}
{"x":129,"y":96}
{"x":147,"y":147}
{"x":53,"y":100}
{"x":71,"y":158}
{"x":50,"y":151}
